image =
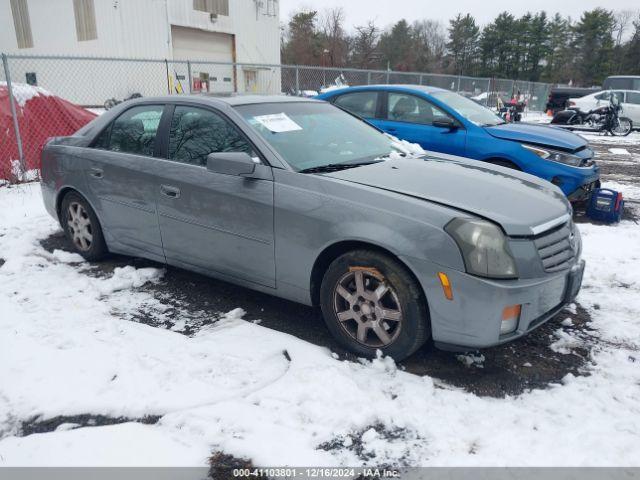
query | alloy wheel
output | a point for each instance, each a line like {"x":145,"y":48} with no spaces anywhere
{"x":79,"y":225}
{"x":367,"y":307}
{"x":622,"y":127}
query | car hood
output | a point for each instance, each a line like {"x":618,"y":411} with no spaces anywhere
{"x":539,"y":135}
{"x":521,"y":203}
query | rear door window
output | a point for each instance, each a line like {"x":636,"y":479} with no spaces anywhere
{"x":134,"y":131}
{"x":362,"y":104}
{"x":633,"y":97}
{"x":605,"y":96}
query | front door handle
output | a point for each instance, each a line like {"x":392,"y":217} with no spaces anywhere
{"x":170,"y":191}
{"x":392,"y":129}
{"x":97,"y":173}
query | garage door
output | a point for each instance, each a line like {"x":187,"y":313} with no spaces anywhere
{"x":193,"y":44}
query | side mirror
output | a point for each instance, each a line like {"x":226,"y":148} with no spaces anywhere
{"x":444,"y":122}
{"x":231,"y":163}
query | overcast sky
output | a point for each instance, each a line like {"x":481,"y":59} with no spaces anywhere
{"x":386,"y":12}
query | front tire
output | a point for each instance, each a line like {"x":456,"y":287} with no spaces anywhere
{"x":623,"y":128}
{"x":82,"y":228}
{"x":371,"y":302}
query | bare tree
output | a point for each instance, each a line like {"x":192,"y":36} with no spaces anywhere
{"x":623,"y":20}
{"x":431,"y":44}
{"x":335,"y":37}
{"x":365,"y":45}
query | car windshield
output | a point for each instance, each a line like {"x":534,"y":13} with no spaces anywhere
{"x":469,"y":109}
{"x":312,"y":135}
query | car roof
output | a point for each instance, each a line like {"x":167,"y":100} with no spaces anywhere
{"x":392,"y":86}
{"x":232,"y":100}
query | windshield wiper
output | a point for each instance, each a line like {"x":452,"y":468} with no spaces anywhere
{"x":335,"y":167}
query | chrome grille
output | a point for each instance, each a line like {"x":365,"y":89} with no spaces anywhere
{"x":556,"y":247}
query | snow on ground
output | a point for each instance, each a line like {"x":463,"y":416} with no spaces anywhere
{"x":535,"y":117}
{"x":632,"y":139}
{"x":66,"y":349}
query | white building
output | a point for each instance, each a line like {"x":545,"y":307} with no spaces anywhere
{"x":198,"y":31}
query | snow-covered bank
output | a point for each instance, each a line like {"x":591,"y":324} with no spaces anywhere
{"x":66,"y":349}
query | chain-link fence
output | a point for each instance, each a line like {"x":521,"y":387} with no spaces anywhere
{"x":39,"y":94}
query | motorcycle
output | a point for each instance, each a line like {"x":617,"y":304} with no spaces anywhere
{"x":511,"y":111}
{"x":112,"y":102}
{"x":605,"y":118}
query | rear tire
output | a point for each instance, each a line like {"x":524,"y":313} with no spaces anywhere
{"x":82,"y":228}
{"x":371,"y":302}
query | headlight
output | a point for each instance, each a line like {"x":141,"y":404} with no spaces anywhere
{"x":554,"y":155}
{"x":484,"y":248}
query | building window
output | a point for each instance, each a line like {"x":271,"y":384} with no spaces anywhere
{"x":216,"y":7}
{"x":22,"y":24}
{"x":85,"y":14}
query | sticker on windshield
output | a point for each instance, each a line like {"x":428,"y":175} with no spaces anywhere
{"x":278,"y":123}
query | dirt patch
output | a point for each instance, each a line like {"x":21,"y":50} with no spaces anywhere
{"x":38,"y":425}
{"x":222,"y":467}
{"x":355,"y":442}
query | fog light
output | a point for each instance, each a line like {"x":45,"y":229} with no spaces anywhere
{"x":510,"y":317}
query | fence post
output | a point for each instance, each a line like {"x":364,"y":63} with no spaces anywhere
{"x":458,"y":88}
{"x":14,"y":114}
{"x":297,"y":80}
{"x":166,"y":66}
{"x":421,"y":79}
{"x":189,"y":76}
{"x":388,"y":76}
{"x":368,"y":78}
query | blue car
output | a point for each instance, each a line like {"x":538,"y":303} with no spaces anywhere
{"x":446,"y":122}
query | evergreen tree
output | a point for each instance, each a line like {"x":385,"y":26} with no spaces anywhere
{"x":499,"y":46}
{"x":396,"y":47}
{"x":303,"y":45}
{"x":593,"y":46}
{"x":631,"y":57}
{"x":559,"y":59}
{"x":463,"y":43}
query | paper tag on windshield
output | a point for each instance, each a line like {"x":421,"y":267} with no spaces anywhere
{"x":278,"y":123}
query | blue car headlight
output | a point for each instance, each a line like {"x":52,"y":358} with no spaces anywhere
{"x":554,"y":155}
{"x":484,"y":248}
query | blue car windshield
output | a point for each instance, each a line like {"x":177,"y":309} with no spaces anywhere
{"x":312,"y":134}
{"x":469,"y":109}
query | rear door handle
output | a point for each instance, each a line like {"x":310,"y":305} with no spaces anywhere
{"x":169,"y":191}
{"x":97,"y":173}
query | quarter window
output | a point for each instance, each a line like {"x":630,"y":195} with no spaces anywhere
{"x":197,"y":132}
{"x":362,"y":104}
{"x":132,"y":132}
{"x":409,"y":108}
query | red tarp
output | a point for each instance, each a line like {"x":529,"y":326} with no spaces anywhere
{"x":40,"y":115}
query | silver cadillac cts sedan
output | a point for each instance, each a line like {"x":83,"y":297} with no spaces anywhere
{"x":299,"y":199}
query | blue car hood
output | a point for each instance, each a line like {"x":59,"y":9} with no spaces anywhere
{"x":538,"y":134}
